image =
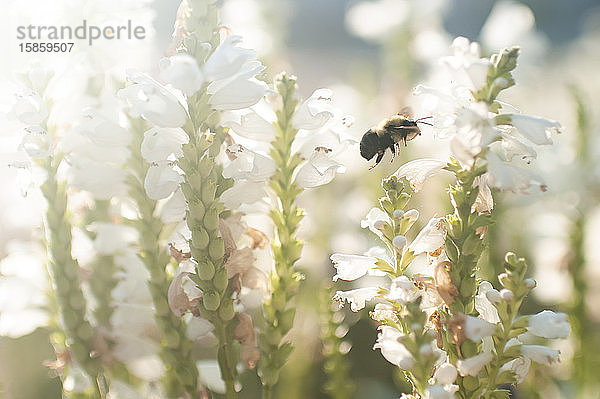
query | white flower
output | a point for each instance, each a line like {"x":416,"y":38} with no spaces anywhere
{"x":140,"y":354}
{"x":248,"y":165}
{"x":23,"y":293}
{"x":182,"y":72}
{"x":102,"y":180}
{"x":356,"y":298}
{"x":402,"y":290}
{"x":243,"y":192}
{"x":37,"y":143}
{"x":253,"y":126}
{"x":210,"y":375}
{"x":112,"y":238}
{"x":419,"y":170}
{"x":174,"y":209}
{"x":441,"y":392}
{"x":384,"y":312}
{"x":505,"y":176}
{"x":431,"y":238}
{"x":471,"y":366}
{"x":351,"y":267}
{"x":251,"y":172}
{"x":548,"y":324}
{"x":161,"y":180}
{"x":375,"y":219}
{"x":519,"y":366}
{"x":82,"y":141}
{"x":240,"y":91}
{"x":178,"y":299}
{"x":535,"y":129}
{"x":318,"y":170}
{"x":475,"y":328}
{"x":153,"y":101}
{"x":484,"y":203}
{"x":446,"y":374}
{"x":412,"y":215}
{"x":160,"y":143}
{"x":483,"y":305}
{"x":512,"y":147}
{"x":469,"y":69}
{"x":315,"y":111}
{"x":540,"y":354}
{"x":29,"y":107}
{"x":391,"y":348}
{"x":198,"y":328}
{"x":474,"y":131}
{"x":102,"y":131}
{"x":227,"y":59}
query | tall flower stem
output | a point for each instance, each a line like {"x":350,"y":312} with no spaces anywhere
{"x":584,"y":360}
{"x":465,"y":244}
{"x":204,"y":183}
{"x":181,"y":375}
{"x":202,"y":188}
{"x":64,"y":271}
{"x":278,"y":310}
{"x":335,"y":365}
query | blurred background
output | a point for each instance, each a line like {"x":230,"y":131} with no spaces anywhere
{"x":372,"y":54}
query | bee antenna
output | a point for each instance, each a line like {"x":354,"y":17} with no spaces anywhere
{"x":420,"y":120}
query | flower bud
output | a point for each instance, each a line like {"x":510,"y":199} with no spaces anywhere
{"x":379,"y":224}
{"x":226,"y":311}
{"x":411,"y":215}
{"x":493,"y":296}
{"x":399,"y":242}
{"x":216,"y":249}
{"x":200,"y":238}
{"x":426,"y":350}
{"x":530,"y":283}
{"x":220,"y":279}
{"x":211,"y":301}
{"x":507,"y":295}
{"x":398,"y":213}
{"x":197,"y":209}
{"x":206,"y":270}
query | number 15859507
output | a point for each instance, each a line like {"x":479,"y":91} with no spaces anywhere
{"x":45,"y":47}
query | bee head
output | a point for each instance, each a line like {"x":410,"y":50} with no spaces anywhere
{"x":369,"y":145}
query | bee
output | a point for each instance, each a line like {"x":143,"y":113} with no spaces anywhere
{"x":389,"y":133}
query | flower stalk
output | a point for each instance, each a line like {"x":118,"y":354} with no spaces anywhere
{"x":64,"y":272}
{"x":335,"y":365}
{"x":465,"y":239}
{"x":278,"y":310}
{"x":583,"y":330}
{"x":181,"y":373}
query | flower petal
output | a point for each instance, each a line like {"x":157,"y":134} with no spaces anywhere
{"x":419,"y":170}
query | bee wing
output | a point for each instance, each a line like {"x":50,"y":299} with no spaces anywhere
{"x":406,"y":112}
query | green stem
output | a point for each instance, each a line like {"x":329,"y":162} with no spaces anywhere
{"x":65,"y":271}
{"x":278,"y":309}
{"x":181,"y":373}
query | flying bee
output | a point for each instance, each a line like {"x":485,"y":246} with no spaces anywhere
{"x":389,"y":133}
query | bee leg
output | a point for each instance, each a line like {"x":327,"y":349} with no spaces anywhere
{"x":379,"y":158}
{"x":393,"y":149}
